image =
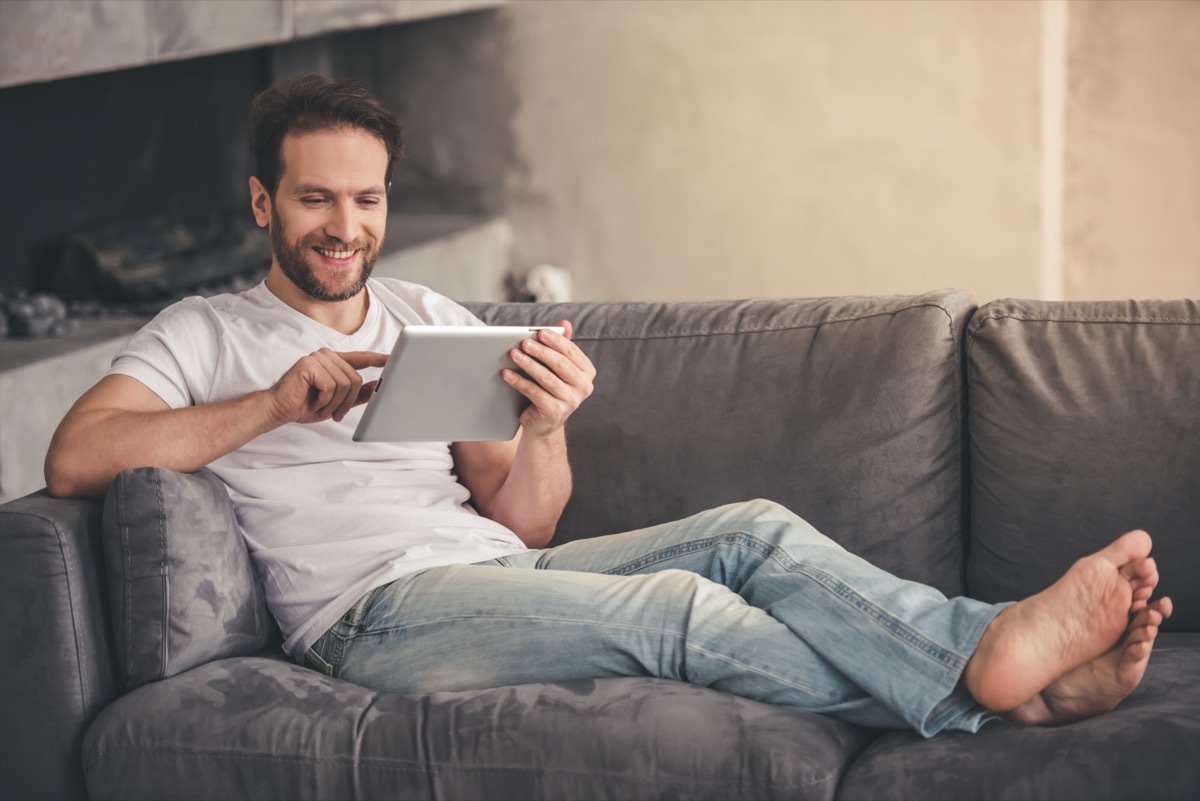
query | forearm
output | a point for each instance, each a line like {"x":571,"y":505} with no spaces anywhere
{"x":92,"y":446}
{"x":533,"y":495}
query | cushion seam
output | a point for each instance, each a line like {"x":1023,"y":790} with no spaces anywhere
{"x":413,"y":766}
{"x":164,"y":573}
{"x":1076,"y":318}
{"x":706,"y":332}
{"x":122,"y":488}
{"x":84,"y":688}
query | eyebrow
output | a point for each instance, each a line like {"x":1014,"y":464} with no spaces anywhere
{"x":305,"y":189}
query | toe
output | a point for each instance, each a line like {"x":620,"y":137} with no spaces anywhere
{"x":1128,"y":547}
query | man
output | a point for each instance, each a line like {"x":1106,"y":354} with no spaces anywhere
{"x":380,"y":560}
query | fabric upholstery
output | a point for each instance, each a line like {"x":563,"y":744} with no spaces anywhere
{"x":1148,"y":748}
{"x":57,"y":656}
{"x":258,"y":728}
{"x":848,"y":411}
{"x":183,"y":591}
{"x":1083,"y":424}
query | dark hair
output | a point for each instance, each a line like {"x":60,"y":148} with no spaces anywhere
{"x":310,"y":103}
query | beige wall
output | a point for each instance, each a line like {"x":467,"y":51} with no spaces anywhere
{"x":727,"y":149}
{"x":1132,"y":209}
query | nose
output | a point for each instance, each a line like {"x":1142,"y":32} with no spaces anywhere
{"x":343,"y":223}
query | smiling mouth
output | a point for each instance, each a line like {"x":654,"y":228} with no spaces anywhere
{"x":336,"y":255}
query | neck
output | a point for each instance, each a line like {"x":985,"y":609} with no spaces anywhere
{"x":343,"y":316}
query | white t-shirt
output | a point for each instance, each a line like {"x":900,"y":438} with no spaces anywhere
{"x":325,"y":518}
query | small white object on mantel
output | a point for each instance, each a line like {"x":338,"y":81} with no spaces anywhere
{"x":546,"y":283}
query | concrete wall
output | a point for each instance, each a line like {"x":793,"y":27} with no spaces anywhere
{"x":729,"y":149}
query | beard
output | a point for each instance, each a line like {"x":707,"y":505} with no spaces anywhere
{"x":293,"y":260}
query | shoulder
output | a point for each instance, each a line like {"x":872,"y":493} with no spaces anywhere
{"x":430,"y":307}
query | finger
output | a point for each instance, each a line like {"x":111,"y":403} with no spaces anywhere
{"x":539,"y":372}
{"x":568,"y":329}
{"x":365,"y":392}
{"x":361,"y":359}
{"x":553,"y":360}
{"x":569,"y":362}
{"x":537,"y":394}
{"x":321,"y":388}
{"x":349,"y":383}
{"x":563,"y":344}
{"x":339,"y":375}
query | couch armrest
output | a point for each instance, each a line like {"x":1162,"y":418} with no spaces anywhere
{"x":57,"y":663}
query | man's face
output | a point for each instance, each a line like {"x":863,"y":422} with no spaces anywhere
{"x":329,"y":212}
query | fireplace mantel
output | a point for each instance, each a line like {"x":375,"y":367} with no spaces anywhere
{"x":41,"y":41}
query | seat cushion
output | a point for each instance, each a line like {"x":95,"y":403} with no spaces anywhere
{"x":848,"y":411}
{"x":1146,"y":749}
{"x":264,"y":728}
{"x":1084,"y":423}
{"x":181,"y":586}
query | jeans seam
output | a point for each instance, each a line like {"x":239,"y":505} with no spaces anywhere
{"x":454,"y":618}
{"x":759,"y":672}
{"x":940,"y":654}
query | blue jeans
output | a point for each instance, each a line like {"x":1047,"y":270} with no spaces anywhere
{"x":746,"y":598}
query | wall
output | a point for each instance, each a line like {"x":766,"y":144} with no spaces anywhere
{"x":1132,"y":183}
{"x":726,"y":149}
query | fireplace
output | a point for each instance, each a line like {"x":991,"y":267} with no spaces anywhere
{"x":160,"y":152}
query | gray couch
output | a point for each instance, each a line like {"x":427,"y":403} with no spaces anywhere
{"x":977,"y":450}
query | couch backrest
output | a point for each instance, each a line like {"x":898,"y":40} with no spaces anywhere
{"x":846,"y":410}
{"x":1084,"y":423}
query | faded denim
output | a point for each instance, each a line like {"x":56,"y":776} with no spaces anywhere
{"x":747,"y":598}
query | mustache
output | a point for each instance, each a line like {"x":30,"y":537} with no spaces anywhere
{"x":318,"y":241}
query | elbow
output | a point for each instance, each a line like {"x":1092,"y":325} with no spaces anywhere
{"x":58,"y":483}
{"x":538,"y":538}
{"x":64,"y":482}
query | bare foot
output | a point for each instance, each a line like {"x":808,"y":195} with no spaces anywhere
{"x":1098,"y":686}
{"x":1075,"y":620}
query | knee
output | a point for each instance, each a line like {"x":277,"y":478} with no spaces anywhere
{"x":768,"y":511}
{"x":776,"y":521}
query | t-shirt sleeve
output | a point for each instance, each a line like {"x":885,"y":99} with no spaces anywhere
{"x":174,"y":354}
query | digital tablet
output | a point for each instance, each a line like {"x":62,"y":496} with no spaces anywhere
{"x":442,"y":384}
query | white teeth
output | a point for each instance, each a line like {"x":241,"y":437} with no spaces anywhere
{"x":335,"y":254}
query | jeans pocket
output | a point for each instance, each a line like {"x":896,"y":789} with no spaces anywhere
{"x":313,"y":658}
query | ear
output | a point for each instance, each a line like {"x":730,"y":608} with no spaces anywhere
{"x":260,"y":202}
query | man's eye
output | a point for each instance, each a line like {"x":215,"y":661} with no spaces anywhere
{"x":312,"y":201}
{"x":369,"y":202}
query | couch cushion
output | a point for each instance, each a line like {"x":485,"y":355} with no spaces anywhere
{"x":181,"y":586}
{"x":1084,"y":423}
{"x":1144,"y":749}
{"x":58,"y":667}
{"x":845,"y":410}
{"x":263,"y":728}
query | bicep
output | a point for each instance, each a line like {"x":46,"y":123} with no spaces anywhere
{"x":118,"y":393}
{"x":483,"y":467}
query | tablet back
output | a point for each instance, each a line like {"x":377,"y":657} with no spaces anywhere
{"x":443,"y":384}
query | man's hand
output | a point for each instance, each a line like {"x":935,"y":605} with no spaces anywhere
{"x":322,"y":385}
{"x":560,"y":378}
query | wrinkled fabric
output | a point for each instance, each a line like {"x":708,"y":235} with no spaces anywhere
{"x":1148,"y":748}
{"x":181,"y":586}
{"x":747,"y":598}
{"x":1084,"y":423}
{"x":252,"y":728}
